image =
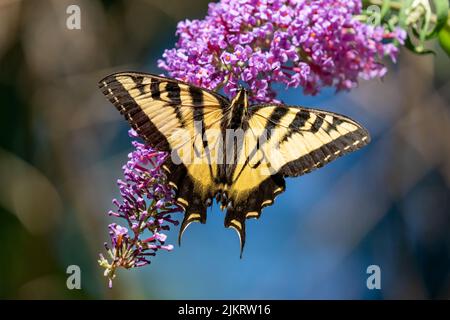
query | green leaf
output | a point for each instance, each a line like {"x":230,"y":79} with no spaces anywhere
{"x":425,"y":26}
{"x":385,"y":8}
{"x":441,"y":7}
{"x":444,"y":39}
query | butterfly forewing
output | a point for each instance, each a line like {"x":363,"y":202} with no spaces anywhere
{"x":304,"y":139}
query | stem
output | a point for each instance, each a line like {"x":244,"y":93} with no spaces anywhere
{"x":220,"y":85}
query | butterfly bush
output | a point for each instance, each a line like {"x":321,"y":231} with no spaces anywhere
{"x":297,"y":43}
{"x":146,"y":209}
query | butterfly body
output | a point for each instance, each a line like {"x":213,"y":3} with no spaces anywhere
{"x":239,"y":110}
{"x":231,"y":151}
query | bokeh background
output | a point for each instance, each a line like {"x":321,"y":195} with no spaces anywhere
{"x":62,"y":145}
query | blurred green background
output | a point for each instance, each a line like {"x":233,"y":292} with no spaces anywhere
{"x":62,"y":146}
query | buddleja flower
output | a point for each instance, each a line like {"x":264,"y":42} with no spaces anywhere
{"x":298,"y":43}
{"x":146,"y":207}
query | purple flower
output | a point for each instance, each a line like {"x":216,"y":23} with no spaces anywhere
{"x":228,"y":58}
{"x":302,"y":43}
{"x":117,"y":234}
{"x":146,"y":206}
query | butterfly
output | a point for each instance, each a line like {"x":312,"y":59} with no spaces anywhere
{"x":234,"y":152}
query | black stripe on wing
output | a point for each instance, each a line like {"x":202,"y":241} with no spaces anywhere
{"x":133,"y":113}
{"x":274,"y":119}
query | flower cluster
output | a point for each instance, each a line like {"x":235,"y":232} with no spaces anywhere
{"x":312,"y":44}
{"x":146,"y":206}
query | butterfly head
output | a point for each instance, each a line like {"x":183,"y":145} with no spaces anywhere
{"x":243,"y":90}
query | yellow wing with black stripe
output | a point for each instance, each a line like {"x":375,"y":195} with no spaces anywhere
{"x":181,"y":119}
{"x":282,"y":141}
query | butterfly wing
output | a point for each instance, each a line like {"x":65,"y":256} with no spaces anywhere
{"x":282,"y":141}
{"x":173,"y":116}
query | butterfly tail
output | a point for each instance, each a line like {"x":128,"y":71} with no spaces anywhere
{"x":236,"y":221}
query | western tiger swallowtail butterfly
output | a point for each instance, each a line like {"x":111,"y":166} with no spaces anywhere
{"x":231,"y":151}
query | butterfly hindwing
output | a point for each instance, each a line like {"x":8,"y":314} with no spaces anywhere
{"x":174,"y":116}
